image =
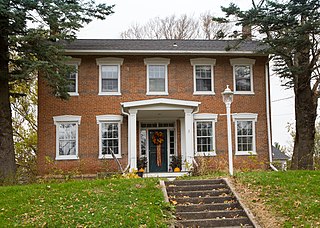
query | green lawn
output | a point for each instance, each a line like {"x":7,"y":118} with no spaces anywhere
{"x":294,"y":194}
{"x":107,"y":203}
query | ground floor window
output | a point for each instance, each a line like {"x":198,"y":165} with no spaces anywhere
{"x":66,"y":137}
{"x":245,"y":133}
{"x":109,"y":135}
{"x":205,"y":134}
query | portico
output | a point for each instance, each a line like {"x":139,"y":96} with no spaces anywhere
{"x":162,"y":115}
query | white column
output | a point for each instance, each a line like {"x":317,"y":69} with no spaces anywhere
{"x":183,"y":143}
{"x":132,"y":138}
{"x":188,"y":124}
{"x":228,"y":104}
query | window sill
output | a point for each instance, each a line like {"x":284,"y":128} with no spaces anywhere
{"x":109,"y":94}
{"x":243,"y":93}
{"x":204,"y":93}
{"x":157,"y":94}
{"x":205,"y":154}
{"x":245,"y":153}
{"x":73,"y":94}
{"x":108,"y":156}
{"x":67,"y":157}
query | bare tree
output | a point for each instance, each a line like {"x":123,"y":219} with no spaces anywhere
{"x":183,"y":27}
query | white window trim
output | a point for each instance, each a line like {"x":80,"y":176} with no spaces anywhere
{"x":75,"y":62}
{"x":205,"y":117}
{"x":243,"y":61}
{"x":109,"y":119}
{"x":203,"y":62}
{"x":109,"y":61}
{"x":245,"y":117}
{"x":159,"y":62}
{"x":67,"y":119}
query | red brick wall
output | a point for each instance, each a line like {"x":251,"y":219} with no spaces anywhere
{"x":133,"y":87}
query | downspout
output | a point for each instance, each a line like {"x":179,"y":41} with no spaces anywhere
{"x":268,"y":117}
{"x":127,"y":114}
{"x":194,"y":160}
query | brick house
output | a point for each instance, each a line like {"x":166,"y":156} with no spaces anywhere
{"x":128,"y":93}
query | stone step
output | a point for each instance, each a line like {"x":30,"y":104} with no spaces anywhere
{"x":195,"y":182}
{"x":208,"y":207}
{"x":205,"y":200}
{"x":210,"y":214}
{"x":213,"y":187}
{"x":203,"y":193}
{"x":242,"y":222}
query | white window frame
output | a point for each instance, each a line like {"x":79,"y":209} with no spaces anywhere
{"x":205,"y":117}
{"x":67,"y":119}
{"x":75,"y":62}
{"x":246,"y":117}
{"x":159,"y":62}
{"x":242,"y":62}
{"x":117,"y":119}
{"x":203,"y":62}
{"x":109,"y":61}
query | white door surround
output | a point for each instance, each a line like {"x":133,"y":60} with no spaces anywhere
{"x":159,"y":110}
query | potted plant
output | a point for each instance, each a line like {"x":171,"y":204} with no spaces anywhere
{"x":142,"y":165}
{"x":175,"y":163}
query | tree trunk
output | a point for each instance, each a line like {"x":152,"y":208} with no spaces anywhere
{"x":306,"y":113}
{"x":7,"y":156}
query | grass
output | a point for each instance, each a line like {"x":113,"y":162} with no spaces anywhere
{"x":295,"y":195}
{"x":106,"y":203}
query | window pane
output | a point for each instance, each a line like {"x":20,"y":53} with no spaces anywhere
{"x":204,"y":136}
{"x":157,"y":78}
{"x":245,"y":135}
{"x":109,"y":78}
{"x":203,"y":78}
{"x":72,"y":79}
{"x":110,"y":138}
{"x":243,"y":77}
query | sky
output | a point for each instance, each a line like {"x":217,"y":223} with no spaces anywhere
{"x":128,"y":12}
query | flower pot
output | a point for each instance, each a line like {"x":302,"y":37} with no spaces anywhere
{"x":177,"y":169}
{"x":140,"y":174}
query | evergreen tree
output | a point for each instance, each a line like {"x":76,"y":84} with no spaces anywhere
{"x":31,"y":32}
{"x":291,"y":30}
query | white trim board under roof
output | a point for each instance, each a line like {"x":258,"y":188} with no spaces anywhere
{"x":164,"y":101}
{"x":135,"y":47}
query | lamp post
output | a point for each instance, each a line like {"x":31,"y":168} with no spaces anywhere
{"x":227,"y":96}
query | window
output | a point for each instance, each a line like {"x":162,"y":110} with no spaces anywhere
{"x":157,"y":76}
{"x":203,"y":75}
{"x":73,"y":76}
{"x":109,"y":135}
{"x":245,"y":133}
{"x":109,"y":75}
{"x":205,"y":134}
{"x":242,"y":75}
{"x":66,"y":137}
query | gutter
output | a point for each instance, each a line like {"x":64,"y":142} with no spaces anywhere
{"x":268,"y":117}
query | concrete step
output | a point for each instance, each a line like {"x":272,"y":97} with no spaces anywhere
{"x":242,"y":222}
{"x":195,"y":182}
{"x":205,"y":200}
{"x":213,"y":187}
{"x":210,"y":215}
{"x":208,"y":207}
{"x":203,"y":193}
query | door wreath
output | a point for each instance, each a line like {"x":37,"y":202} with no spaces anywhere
{"x":158,"y":139}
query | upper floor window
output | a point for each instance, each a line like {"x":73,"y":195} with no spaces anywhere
{"x":109,"y":75}
{"x":109,"y":135}
{"x":73,"y":76}
{"x":66,"y":137}
{"x":245,"y":133}
{"x":242,"y":75}
{"x":157,"y":76}
{"x":203,"y":80}
{"x":205,"y":134}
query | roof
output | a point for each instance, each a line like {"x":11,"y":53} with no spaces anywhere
{"x":94,"y":46}
{"x":157,"y":101}
{"x":278,"y":155}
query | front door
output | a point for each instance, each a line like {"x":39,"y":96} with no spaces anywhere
{"x":158,"y":156}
